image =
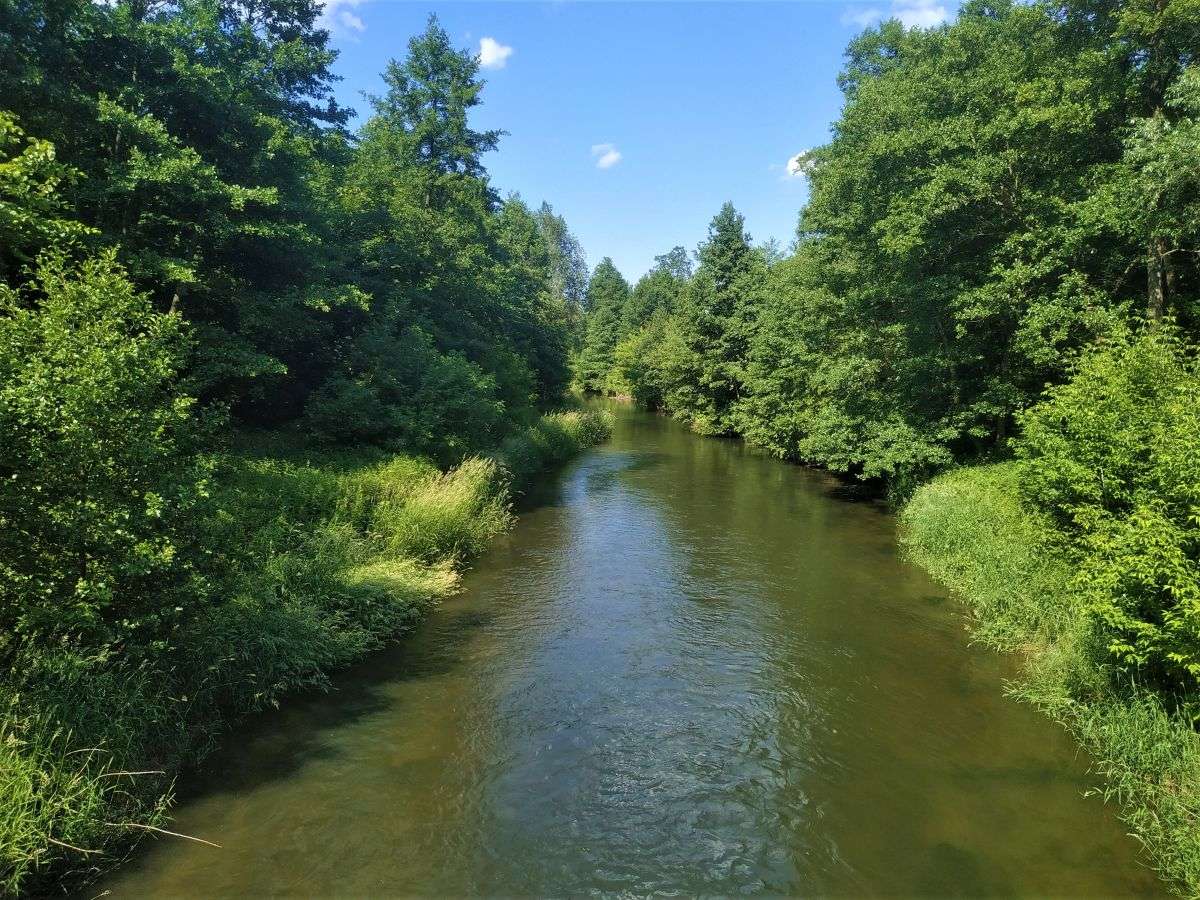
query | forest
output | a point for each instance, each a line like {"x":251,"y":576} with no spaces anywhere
{"x":266,"y":383}
{"x":990,"y":312}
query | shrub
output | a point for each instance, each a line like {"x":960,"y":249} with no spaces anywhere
{"x":1113,"y":458}
{"x":406,"y":395}
{"x":99,"y":471}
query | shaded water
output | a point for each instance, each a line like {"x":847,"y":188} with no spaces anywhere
{"x":689,"y":669}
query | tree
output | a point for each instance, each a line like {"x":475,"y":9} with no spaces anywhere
{"x":199,"y":128}
{"x":568,"y":264}
{"x":426,"y":106}
{"x":717,"y":314}
{"x":657,"y":291}
{"x":608,"y":292}
{"x":33,"y":215}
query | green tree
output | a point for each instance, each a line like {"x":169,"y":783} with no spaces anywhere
{"x":568,"y":264}
{"x":199,"y":127}
{"x":99,"y":472}
{"x":33,"y":215}
{"x":717,"y":313}
{"x":656,"y":291}
{"x":608,"y":292}
{"x":457,"y":288}
{"x":426,"y":108}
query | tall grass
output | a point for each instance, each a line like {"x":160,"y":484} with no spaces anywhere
{"x":969,"y":529}
{"x":551,"y":441}
{"x":316,"y":559}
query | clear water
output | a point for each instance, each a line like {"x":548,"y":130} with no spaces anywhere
{"x":689,"y":670}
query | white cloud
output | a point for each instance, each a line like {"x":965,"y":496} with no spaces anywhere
{"x":862,"y":18}
{"x":799,"y":165}
{"x":493,"y":54}
{"x":911,"y":13}
{"x":337,"y":16}
{"x":920,"y":13}
{"x":606,"y":155}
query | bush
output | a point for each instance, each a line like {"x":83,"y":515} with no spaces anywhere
{"x":99,"y":473}
{"x":406,"y":395}
{"x":1112,"y":457}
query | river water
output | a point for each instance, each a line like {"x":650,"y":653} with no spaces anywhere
{"x":690,"y":669}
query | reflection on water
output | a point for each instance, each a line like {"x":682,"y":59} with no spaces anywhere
{"x":690,"y":669}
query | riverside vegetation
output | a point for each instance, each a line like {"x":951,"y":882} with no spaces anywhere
{"x":991,"y":311}
{"x":265,"y":386}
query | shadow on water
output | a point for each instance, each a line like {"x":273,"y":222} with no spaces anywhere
{"x":276,"y":744}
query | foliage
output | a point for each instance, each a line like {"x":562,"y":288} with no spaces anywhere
{"x":211,"y":155}
{"x":1113,"y":457}
{"x":997,"y":194}
{"x":99,"y":477}
{"x":32,"y":214}
{"x":607,"y":296}
{"x":410,"y":396}
{"x":972,"y":531}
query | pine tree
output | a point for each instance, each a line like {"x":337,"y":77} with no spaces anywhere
{"x":608,"y":292}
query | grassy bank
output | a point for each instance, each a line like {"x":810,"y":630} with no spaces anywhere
{"x":316,"y":558}
{"x":970,"y":529}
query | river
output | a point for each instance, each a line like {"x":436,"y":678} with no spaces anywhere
{"x":690,"y":669}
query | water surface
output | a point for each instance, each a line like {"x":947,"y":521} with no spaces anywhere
{"x":690,"y":669}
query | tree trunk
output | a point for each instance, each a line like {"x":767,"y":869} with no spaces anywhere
{"x":177,"y":300}
{"x":1156,"y":280}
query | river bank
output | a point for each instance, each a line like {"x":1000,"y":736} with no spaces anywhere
{"x":969,"y":529}
{"x":688,"y":668}
{"x":322,"y":557}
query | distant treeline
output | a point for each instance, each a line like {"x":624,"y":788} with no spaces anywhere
{"x":999,"y":258}
{"x":998,"y":194}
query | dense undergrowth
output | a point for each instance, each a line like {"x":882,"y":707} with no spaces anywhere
{"x":317,"y":557}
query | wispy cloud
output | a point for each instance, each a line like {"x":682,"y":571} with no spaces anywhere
{"x":911,"y":13}
{"x":862,"y":18}
{"x":920,"y":13}
{"x":338,"y":16}
{"x":493,"y":54}
{"x":606,"y":155}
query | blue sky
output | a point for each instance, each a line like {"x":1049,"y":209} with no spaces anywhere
{"x":636,"y":121}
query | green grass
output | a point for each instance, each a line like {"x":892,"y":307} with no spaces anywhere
{"x":550,"y":442}
{"x":316,"y":559}
{"x":969,"y":529}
